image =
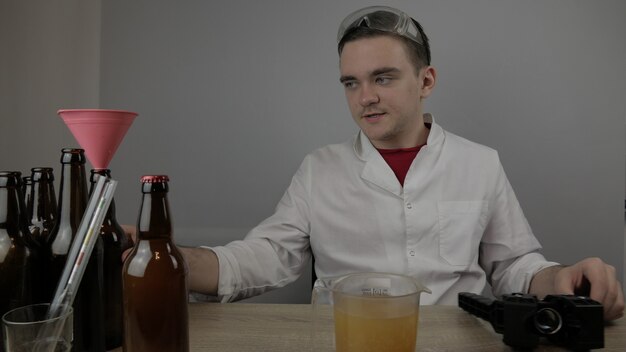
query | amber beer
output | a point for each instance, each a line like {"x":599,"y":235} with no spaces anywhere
{"x":155,"y":278}
{"x":375,"y":323}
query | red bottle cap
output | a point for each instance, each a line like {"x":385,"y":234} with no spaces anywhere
{"x":154,"y":178}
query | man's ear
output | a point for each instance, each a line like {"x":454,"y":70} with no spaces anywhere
{"x":428,"y":80}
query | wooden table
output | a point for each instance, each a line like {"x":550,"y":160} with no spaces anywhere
{"x":287,"y":327}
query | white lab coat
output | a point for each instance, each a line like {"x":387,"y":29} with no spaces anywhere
{"x":455,"y":225}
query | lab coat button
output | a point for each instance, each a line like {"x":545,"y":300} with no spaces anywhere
{"x":409,"y":206}
{"x":412,"y":253}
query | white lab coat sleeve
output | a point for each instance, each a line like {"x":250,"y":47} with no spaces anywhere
{"x":509,"y":250}
{"x":275,"y":252}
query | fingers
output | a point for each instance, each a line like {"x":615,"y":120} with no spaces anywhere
{"x":601,"y":279}
{"x":617,"y":311}
{"x":125,"y":254}
{"x":129,"y":229}
{"x":573,"y":280}
{"x":604,"y":286}
{"x":613,"y":300}
{"x":594,"y":278}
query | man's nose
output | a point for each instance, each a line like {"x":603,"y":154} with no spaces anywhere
{"x":368,"y":95}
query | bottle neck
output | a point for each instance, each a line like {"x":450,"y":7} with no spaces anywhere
{"x":9,"y":207}
{"x":42,"y":204}
{"x":72,"y":193}
{"x":12,"y":215}
{"x":154,"y":217}
{"x":110,"y":215}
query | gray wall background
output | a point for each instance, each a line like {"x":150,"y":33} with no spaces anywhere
{"x":232,"y":95}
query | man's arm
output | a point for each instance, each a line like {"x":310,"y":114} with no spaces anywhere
{"x":203,"y":269}
{"x":202,"y":262}
{"x":590,"y":277}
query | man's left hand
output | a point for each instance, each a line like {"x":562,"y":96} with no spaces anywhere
{"x":594,"y":278}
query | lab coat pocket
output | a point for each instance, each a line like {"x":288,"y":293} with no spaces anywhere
{"x":461,"y":225}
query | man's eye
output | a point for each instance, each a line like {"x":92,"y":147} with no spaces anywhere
{"x":383,"y":80}
{"x":349,"y":84}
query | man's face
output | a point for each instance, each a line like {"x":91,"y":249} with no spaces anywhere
{"x":384,"y":92}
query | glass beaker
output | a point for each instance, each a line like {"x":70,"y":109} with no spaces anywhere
{"x":366,"y":312}
{"x":29,"y":328}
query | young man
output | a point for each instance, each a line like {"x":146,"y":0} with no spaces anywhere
{"x":402,"y":196}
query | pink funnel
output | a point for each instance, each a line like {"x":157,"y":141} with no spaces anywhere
{"x":98,"y":131}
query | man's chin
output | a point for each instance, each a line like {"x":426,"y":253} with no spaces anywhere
{"x":376,"y":137}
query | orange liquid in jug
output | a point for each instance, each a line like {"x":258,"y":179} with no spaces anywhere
{"x":372,"y":324}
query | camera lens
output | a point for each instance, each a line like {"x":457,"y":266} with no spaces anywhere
{"x":548,"y":321}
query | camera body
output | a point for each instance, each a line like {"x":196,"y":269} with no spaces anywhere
{"x":574,"y":322}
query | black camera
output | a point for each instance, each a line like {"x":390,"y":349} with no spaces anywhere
{"x":574,"y":322}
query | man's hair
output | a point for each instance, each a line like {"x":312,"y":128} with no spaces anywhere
{"x":418,"y":54}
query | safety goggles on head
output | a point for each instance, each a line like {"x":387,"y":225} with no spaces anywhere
{"x":382,"y":18}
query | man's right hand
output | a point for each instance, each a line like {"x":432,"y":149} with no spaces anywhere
{"x":131,"y":231}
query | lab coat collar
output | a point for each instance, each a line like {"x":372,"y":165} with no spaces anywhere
{"x":376,"y":169}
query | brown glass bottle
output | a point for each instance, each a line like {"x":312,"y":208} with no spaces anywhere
{"x":26,"y":189}
{"x":17,"y":259}
{"x":88,"y":308}
{"x":115,"y":242}
{"x":41,"y":204}
{"x":155,"y":279}
{"x":30,"y":241}
{"x":41,"y":207}
{"x":71,"y":206}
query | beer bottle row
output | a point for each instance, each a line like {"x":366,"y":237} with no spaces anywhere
{"x":36,"y":233}
{"x":140,"y":304}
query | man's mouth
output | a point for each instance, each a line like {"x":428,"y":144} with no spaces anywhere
{"x":373,"y":116}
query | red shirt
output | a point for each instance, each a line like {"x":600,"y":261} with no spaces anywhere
{"x":400,"y":160}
